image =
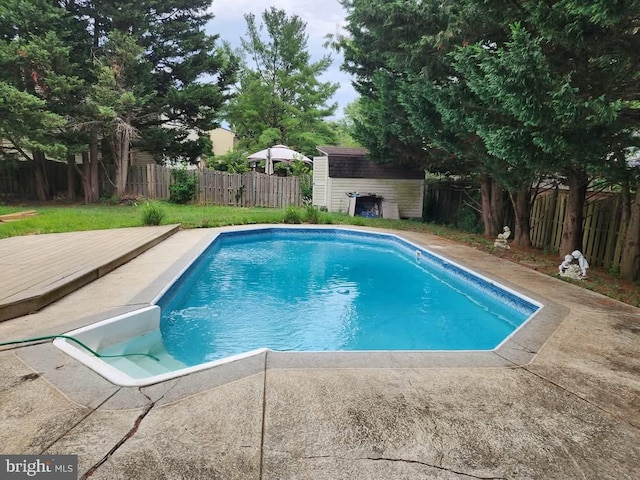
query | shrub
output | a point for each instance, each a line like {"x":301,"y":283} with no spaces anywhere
{"x":184,"y":185}
{"x":312,"y":214}
{"x":292,"y":215}
{"x":306,"y":187}
{"x":152,"y":213}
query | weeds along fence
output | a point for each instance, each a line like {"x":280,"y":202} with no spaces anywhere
{"x":455,"y":204}
{"x":251,"y":189}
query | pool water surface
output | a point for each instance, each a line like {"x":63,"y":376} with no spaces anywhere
{"x":324,"y":291}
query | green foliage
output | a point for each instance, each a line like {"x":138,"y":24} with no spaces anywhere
{"x":514,"y":90}
{"x":184,"y":186}
{"x":292,"y":215}
{"x":468,"y":220}
{"x":312,"y":214}
{"x":152,"y":213}
{"x":232,"y":162}
{"x":280,"y":98}
{"x":306,"y":186}
{"x":35,"y":78}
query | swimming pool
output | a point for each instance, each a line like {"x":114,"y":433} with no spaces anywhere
{"x":309,"y":289}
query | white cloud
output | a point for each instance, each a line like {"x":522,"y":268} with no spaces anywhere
{"x":321,"y":16}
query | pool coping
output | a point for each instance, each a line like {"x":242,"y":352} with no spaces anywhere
{"x":519,"y":349}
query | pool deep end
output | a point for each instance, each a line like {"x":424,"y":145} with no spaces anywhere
{"x":144,"y":322}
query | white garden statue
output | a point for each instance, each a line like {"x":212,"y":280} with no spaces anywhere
{"x":501,"y":241}
{"x":568,"y":268}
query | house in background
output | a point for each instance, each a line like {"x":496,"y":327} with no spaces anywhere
{"x":345,"y":180}
{"x":223,"y":140}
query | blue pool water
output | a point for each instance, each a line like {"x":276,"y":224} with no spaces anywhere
{"x":327,"y":290}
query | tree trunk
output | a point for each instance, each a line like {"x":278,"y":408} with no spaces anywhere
{"x":630,"y":262}
{"x":43,"y":189}
{"x":492,"y":203}
{"x":89,"y":172}
{"x":94,"y":165}
{"x":521,"y":201}
{"x":121,"y":142}
{"x":89,"y":189}
{"x":71,"y":177}
{"x":578,"y":180}
{"x":625,"y":207}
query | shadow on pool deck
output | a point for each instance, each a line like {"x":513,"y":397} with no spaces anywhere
{"x":572,"y":412}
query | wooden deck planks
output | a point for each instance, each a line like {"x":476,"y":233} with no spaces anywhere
{"x":37,"y":270}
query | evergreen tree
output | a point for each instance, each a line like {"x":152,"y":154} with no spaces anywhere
{"x":177,"y":79}
{"x":280,"y":98}
{"x":35,"y":78}
{"x":518,"y":88}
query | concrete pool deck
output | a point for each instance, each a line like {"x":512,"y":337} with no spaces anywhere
{"x":573,"y":411}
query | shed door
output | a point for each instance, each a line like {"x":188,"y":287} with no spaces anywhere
{"x":320,"y":183}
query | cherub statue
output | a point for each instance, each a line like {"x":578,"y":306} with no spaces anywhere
{"x":568,"y":267}
{"x":564,"y":266}
{"x":501,"y":241}
{"x":582,"y":262}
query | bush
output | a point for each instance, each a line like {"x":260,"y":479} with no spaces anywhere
{"x":232,"y":162}
{"x":184,"y":185}
{"x":468,"y":220}
{"x":306,"y":187}
{"x":292,"y":215}
{"x":152,"y":213}
{"x":312,"y":214}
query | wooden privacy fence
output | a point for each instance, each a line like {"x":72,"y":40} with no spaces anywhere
{"x":17,"y":179}
{"x":601,"y":228}
{"x":602,"y":219}
{"x":249,"y":189}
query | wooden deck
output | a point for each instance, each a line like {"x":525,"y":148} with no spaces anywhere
{"x":40,"y":269}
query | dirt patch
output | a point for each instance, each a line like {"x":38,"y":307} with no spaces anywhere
{"x":598,"y":280}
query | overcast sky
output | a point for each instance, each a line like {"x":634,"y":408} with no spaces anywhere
{"x":322,"y":17}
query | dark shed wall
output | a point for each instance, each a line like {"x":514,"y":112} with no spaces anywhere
{"x":361,"y":167}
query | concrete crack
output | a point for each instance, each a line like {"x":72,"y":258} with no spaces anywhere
{"x":66,"y":432}
{"x":123,"y":440}
{"x":573,"y":394}
{"x":437,"y":467}
{"x":416,"y":462}
{"x":567,"y":391}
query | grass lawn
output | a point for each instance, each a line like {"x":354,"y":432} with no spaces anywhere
{"x":54,"y":218}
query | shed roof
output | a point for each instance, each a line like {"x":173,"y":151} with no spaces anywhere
{"x":332,"y":151}
{"x":352,"y":162}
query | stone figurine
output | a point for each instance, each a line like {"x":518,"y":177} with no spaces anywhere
{"x":568,"y":268}
{"x":501,"y":241}
{"x":582,"y":262}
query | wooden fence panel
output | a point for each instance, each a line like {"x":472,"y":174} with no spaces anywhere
{"x":248,"y":189}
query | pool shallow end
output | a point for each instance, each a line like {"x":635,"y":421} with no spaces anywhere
{"x":127,"y":325}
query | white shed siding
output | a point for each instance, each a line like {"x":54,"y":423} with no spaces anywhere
{"x":320,"y":181}
{"x":408,"y":194}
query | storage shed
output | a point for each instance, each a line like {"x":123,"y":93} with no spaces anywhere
{"x":344,"y":177}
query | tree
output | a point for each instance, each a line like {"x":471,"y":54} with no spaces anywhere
{"x":280,"y":98}
{"x":516,"y":88}
{"x":412,"y":102}
{"x":35,"y":75}
{"x":115,"y":100}
{"x":521,"y":116}
{"x":158,"y":77}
